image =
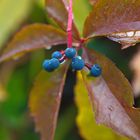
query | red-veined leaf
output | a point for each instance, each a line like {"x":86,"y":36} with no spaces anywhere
{"x":111,"y":97}
{"x":57,"y":10}
{"x":33,"y":37}
{"x":85,"y":119}
{"x":116,"y":81}
{"x":45,"y":101}
{"x":110,"y":17}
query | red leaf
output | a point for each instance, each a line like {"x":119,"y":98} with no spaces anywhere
{"x":111,"y":98}
{"x":108,"y":17}
{"x":114,"y":78}
{"x":45,"y":101}
{"x":57,"y":10}
{"x":33,"y":37}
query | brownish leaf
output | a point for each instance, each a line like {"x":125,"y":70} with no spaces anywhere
{"x":33,"y":37}
{"x":110,"y":17}
{"x":111,"y":98}
{"x":127,"y":39}
{"x":93,"y":1}
{"x":114,"y":78}
{"x":57,"y":10}
{"x":45,"y":101}
{"x":66,"y":3}
{"x":85,"y":119}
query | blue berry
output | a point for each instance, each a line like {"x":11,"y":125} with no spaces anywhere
{"x":50,"y":65}
{"x":47,"y":66}
{"x":78,"y":63}
{"x":57,"y":55}
{"x":54,"y":63}
{"x":70,"y":52}
{"x":96,"y":70}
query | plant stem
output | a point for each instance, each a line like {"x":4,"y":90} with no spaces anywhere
{"x":69,"y":27}
{"x":88,"y":65}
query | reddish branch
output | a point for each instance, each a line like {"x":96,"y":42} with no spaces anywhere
{"x":69,"y":28}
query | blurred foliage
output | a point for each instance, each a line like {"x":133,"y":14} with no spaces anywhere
{"x":12,"y":15}
{"x":14,"y":117}
{"x":86,"y":8}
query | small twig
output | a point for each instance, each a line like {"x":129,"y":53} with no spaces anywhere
{"x":88,"y":65}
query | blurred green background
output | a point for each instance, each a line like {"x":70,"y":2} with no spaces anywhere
{"x":16,"y":123}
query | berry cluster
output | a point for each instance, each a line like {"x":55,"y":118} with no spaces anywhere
{"x":78,"y":63}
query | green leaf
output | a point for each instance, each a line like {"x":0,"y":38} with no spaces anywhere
{"x":89,"y":130}
{"x":66,"y":123}
{"x":110,"y":17}
{"x":12,"y":109}
{"x":45,"y":100}
{"x":12,"y":14}
{"x":79,"y":17}
{"x":33,"y":37}
{"x":111,"y":98}
{"x":57,"y":11}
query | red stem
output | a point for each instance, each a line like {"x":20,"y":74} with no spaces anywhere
{"x":62,"y":58}
{"x":69,"y":27}
{"x":88,"y":65}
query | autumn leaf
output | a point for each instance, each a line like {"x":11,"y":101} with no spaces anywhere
{"x":111,"y":98}
{"x":122,"y":89}
{"x":57,"y":11}
{"x":92,"y":1}
{"x":88,"y":128}
{"x":108,"y":18}
{"x":33,"y":37}
{"x":45,"y":101}
{"x":127,"y":39}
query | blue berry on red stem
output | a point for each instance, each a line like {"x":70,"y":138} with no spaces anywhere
{"x":50,"y":65}
{"x":47,"y":65}
{"x":70,"y":52}
{"x":78,"y":63}
{"x":55,"y":63}
{"x":96,"y":70}
{"x":57,"y":55}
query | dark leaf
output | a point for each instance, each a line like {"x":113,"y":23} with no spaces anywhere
{"x":45,"y":101}
{"x":111,"y":98}
{"x":57,"y":10}
{"x":110,"y":17}
{"x":33,"y":37}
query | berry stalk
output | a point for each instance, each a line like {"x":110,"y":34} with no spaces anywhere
{"x":69,"y":27}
